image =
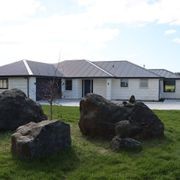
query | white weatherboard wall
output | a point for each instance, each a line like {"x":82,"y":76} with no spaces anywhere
{"x":21,"y":83}
{"x":99,"y":87}
{"x":170,"y":95}
{"x":108,"y":88}
{"x":150,"y":93}
{"x":77,"y":88}
{"x":32,"y":88}
{"x":76,"y":91}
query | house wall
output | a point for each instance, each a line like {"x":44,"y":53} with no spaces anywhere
{"x":76,"y":91}
{"x":32,"y":88}
{"x":170,"y":95}
{"x":99,"y":87}
{"x":21,"y":83}
{"x":150,"y":93}
{"x":18,"y":82}
{"x":77,"y":88}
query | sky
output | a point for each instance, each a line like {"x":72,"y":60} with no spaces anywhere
{"x":144,"y":32}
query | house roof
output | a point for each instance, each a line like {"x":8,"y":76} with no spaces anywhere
{"x":82,"y":68}
{"x":29,"y":68}
{"x":16,"y":68}
{"x":177,"y":74}
{"x":125,"y":69}
{"x":43,"y":69}
{"x":164,"y":73}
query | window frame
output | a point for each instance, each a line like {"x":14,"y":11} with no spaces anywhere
{"x":141,"y":82}
{"x":68,"y":87}
{"x":124,"y":83}
{"x":6,"y":83}
{"x":169,"y":80}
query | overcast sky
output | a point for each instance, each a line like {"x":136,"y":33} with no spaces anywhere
{"x":145,"y":32}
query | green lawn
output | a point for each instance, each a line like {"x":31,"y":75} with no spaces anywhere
{"x":93,"y":159}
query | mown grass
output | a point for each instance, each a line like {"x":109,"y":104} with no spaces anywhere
{"x":93,"y":159}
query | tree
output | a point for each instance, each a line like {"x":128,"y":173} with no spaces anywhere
{"x":51,"y":93}
{"x":51,"y":88}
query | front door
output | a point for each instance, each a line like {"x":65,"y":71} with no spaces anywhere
{"x":87,"y":87}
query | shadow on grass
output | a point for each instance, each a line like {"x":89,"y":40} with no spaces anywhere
{"x":163,"y":141}
{"x":64,"y":161}
{"x":146,"y":144}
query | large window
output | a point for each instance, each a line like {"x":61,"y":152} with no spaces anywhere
{"x":3,"y":83}
{"x":124,"y":83}
{"x":68,"y":84}
{"x":169,"y":85}
{"x":143,"y":83}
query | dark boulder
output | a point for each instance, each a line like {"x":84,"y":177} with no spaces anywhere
{"x":17,"y":109}
{"x":35,"y":140}
{"x":127,"y":144}
{"x":99,"y":117}
{"x":125,"y":129}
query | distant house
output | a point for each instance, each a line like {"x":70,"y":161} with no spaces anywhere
{"x":169,"y":84}
{"x":115,"y":80}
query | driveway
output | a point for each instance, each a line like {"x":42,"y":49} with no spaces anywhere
{"x":166,"y":105}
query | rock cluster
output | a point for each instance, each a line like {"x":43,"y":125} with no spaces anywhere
{"x":102,"y":118}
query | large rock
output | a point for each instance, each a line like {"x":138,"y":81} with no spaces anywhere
{"x":99,"y":117}
{"x":128,"y":144}
{"x":125,"y":129}
{"x":16,"y":109}
{"x":35,"y":140}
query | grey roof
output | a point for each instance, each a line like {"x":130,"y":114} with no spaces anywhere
{"x":16,"y":68}
{"x":125,"y":69}
{"x":177,"y":74}
{"x":164,"y":73}
{"x":81,"y":68}
{"x":29,"y":68}
{"x":43,"y":69}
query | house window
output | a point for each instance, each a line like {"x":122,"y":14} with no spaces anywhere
{"x":124,"y":82}
{"x":143,"y":83}
{"x":4,"y":83}
{"x":169,"y":85}
{"x":68,"y":84}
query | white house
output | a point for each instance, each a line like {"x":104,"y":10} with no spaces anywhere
{"x":29,"y":76}
{"x":115,"y":80}
{"x":111,"y":79}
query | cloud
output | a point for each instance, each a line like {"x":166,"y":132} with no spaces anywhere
{"x":170,"y":31}
{"x":43,"y":38}
{"x":16,"y":10}
{"x":176,"y":40}
{"x":78,"y":34}
{"x":133,"y":11}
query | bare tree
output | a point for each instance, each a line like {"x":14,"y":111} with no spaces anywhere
{"x":51,"y":93}
{"x":51,"y":89}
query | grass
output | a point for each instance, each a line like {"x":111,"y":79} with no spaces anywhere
{"x":93,"y":159}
